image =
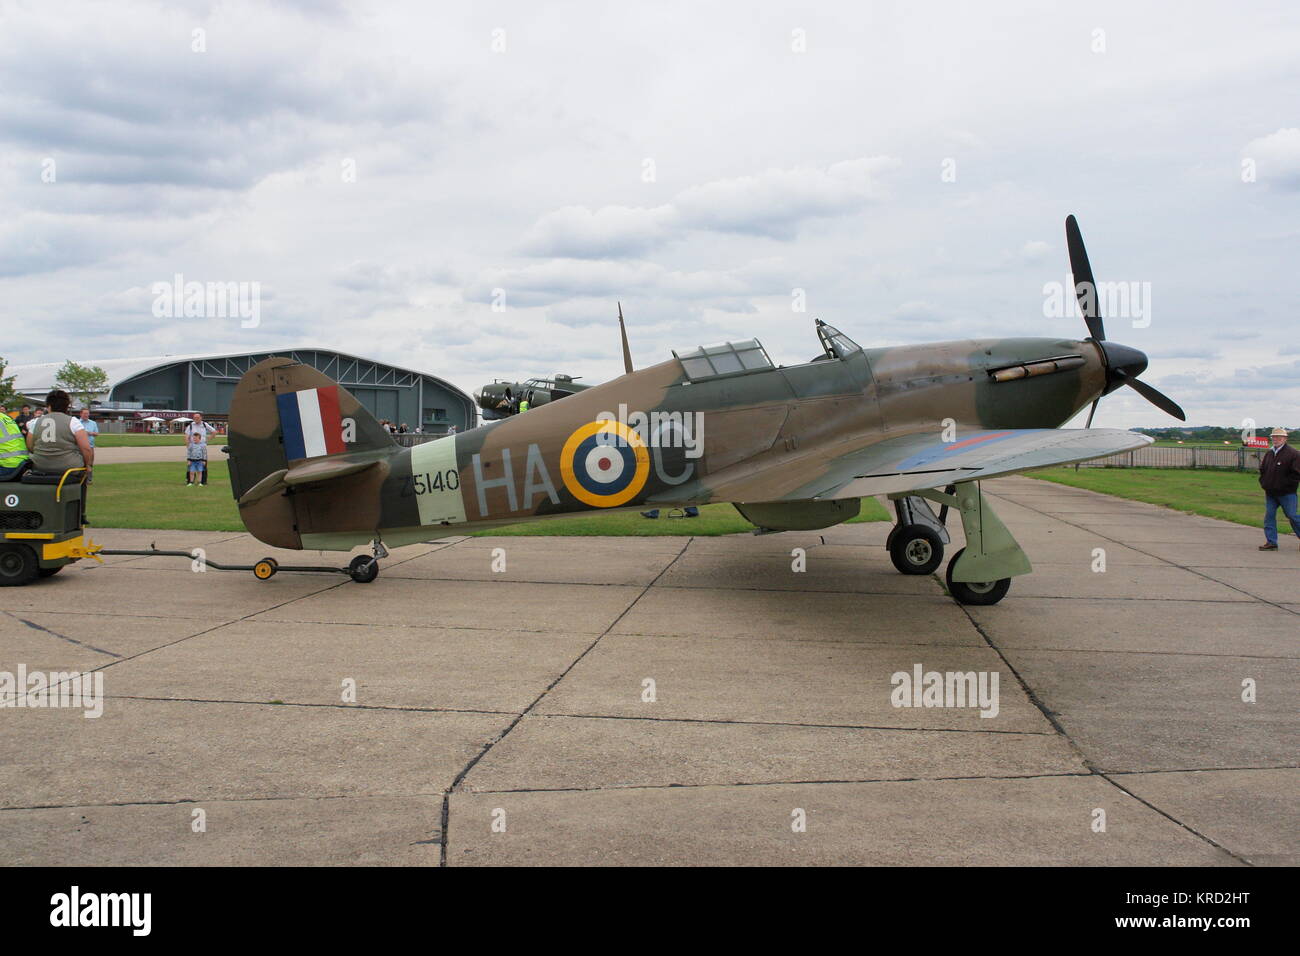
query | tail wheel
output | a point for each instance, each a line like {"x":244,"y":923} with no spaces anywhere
{"x":265,"y":569}
{"x":18,"y":565}
{"x":363,"y":569}
{"x":916,"y":549}
{"x":976,"y":592}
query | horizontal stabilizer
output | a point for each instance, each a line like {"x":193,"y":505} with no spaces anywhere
{"x":322,"y":469}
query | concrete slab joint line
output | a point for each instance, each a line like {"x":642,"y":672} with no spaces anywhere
{"x":524,"y":693}
{"x":446,"y":817}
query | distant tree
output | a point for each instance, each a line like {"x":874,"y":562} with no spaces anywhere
{"x":82,"y":382}
{"x":9,"y":397}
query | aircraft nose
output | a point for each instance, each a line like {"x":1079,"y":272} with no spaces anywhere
{"x":1130,"y":361}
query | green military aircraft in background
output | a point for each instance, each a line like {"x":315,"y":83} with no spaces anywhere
{"x":792,"y":447}
{"x":501,"y":399}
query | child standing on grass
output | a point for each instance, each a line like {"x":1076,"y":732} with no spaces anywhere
{"x":196,"y":453}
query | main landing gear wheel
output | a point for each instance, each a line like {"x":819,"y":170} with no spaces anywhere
{"x":265,"y":569}
{"x":363,"y":569}
{"x":18,"y":565}
{"x":976,"y":592}
{"x":916,"y":549}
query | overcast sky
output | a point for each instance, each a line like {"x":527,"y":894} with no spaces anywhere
{"x":382,"y":170}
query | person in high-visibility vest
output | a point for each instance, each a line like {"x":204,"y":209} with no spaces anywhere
{"x":13,"y":447}
{"x":523,"y":405}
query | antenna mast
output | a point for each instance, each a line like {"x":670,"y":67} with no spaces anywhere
{"x":622,"y":331}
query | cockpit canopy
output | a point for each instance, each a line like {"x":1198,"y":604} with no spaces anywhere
{"x":737,"y":358}
{"x":729,"y":358}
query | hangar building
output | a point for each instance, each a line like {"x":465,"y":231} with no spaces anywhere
{"x":205,"y":383}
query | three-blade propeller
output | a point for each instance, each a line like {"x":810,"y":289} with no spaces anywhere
{"x":1123,"y":364}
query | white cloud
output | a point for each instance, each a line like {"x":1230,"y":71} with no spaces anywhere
{"x":523,"y":170}
{"x":609,"y":232}
{"x":773,"y":203}
{"x":1277,"y":158}
{"x":1034,"y":251}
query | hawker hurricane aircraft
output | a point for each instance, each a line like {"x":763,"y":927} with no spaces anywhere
{"x":792,"y":447}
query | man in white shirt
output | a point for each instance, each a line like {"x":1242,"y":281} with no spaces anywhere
{"x":198,"y":426}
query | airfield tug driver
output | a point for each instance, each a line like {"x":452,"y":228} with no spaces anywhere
{"x":1279,"y":476}
{"x":57,"y":442}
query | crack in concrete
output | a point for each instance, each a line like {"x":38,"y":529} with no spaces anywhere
{"x":445,"y":794}
{"x":1052,"y":715}
{"x":1173,"y":564}
{"x":514,"y":723}
{"x":63,"y":637}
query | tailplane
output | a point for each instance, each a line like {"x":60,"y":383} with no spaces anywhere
{"x":305,"y":456}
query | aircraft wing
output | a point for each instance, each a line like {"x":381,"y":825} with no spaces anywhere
{"x":913,"y":462}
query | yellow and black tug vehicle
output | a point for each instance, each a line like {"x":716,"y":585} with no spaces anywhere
{"x":41,"y":525}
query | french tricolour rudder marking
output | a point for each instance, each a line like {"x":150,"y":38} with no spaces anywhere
{"x":310,"y":423}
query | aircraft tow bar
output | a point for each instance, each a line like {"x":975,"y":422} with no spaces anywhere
{"x":263,"y":570}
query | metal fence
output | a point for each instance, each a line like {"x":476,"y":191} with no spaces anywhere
{"x":1181,"y":456}
{"x":411,"y":438}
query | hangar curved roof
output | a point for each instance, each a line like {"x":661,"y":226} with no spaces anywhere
{"x":32,"y":379}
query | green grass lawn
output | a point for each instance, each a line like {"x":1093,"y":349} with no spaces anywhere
{"x":154,"y":495}
{"x":142,"y":441}
{"x":1215,"y":493}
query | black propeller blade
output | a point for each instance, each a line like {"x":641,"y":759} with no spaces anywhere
{"x":1152,"y":395}
{"x":1123,"y":364}
{"x":1085,"y":287}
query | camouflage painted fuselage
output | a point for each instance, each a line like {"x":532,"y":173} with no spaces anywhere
{"x":547,"y":461}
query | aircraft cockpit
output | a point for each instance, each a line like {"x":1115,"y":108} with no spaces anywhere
{"x":738,"y":358}
{"x":836,"y":344}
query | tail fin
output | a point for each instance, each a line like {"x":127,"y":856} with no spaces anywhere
{"x":292,"y":426}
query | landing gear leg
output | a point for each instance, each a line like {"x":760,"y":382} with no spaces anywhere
{"x":981,"y":572}
{"x":364,"y":569}
{"x":916,"y":542}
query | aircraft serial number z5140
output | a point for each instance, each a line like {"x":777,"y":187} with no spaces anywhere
{"x":792,"y":447}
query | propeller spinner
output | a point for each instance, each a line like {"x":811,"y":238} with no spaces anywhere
{"x":1123,"y":363}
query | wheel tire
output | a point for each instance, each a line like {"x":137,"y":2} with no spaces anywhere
{"x":363,"y":569}
{"x":265,"y":569}
{"x":50,"y":572}
{"x":971,"y":592}
{"x":916,"y":549}
{"x":18,"y":565}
